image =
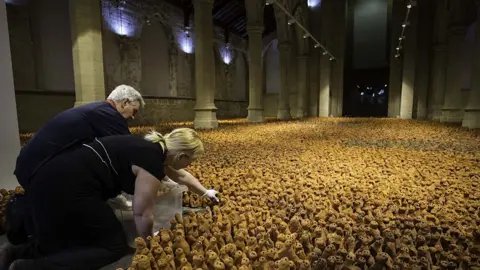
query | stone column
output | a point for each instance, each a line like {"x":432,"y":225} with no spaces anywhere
{"x":453,"y":110}
{"x":337,"y":46}
{"x":471,"y":118}
{"x":302,"y":86}
{"x":284,"y":96}
{"x":255,"y":74}
{"x":314,"y":80}
{"x":86,"y":31}
{"x":324,"y":96}
{"x":424,"y":44}
{"x":396,"y":65}
{"x":437,"y":93}
{"x":205,"y":110}
{"x":409,"y":66}
{"x":255,"y":29}
{"x":9,"y":139}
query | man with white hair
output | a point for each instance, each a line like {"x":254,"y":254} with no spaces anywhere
{"x":76,"y":126}
{"x":70,"y":129}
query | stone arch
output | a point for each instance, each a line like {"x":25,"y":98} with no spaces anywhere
{"x":272,"y":68}
{"x":154,"y":44}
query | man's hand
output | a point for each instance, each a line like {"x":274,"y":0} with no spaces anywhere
{"x":212,"y":195}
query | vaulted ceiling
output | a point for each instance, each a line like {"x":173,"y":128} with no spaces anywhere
{"x":231,"y":15}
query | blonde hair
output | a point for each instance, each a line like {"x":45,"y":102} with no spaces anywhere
{"x":179,"y":141}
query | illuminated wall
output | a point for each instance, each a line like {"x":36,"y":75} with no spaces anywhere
{"x":370,"y":34}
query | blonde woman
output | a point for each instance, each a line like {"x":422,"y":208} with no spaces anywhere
{"x":74,"y":226}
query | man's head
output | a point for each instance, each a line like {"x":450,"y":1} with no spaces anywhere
{"x":127,"y":101}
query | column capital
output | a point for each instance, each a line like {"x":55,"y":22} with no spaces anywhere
{"x":284,"y":45}
{"x":204,"y":1}
{"x":439,"y":47}
{"x":457,"y":30}
{"x":254,"y":29}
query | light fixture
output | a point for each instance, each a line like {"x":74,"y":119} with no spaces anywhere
{"x":332,"y":58}
{"x":406,"y":22}
{"x":325,"y":53}
{"x":292,"y":20}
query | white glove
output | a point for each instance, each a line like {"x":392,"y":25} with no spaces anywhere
{"x":211,"y":194}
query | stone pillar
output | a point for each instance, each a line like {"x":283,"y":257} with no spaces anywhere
{"x":424,"y":44}
{"x":314,"y":80}
{"x":255,"y":29}
{"x":453,"y":110}
{"x":324,"y":96}
{"x":9,"y":139}
{"x":409,"y":66}
{"x":284,"y":96}
{"x":337,"y":46}
{"x":255,"y":75}
{"x":471,"y":118}
{"x":86,"y":31}
{"x":396,"y":65}
{"x":437,"y":93}
{"x":302,"y":74}
{"x":205,"y":110}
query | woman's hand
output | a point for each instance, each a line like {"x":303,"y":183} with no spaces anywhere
{"x":212,"y":195}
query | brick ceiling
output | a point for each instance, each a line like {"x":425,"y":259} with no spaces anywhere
{"x":231,"y":15}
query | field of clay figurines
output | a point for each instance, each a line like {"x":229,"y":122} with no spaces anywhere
{"x":333,"y":193}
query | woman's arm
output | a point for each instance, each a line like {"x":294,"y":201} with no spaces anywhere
{"x":185,"y":178}
{"x":146,"y":188}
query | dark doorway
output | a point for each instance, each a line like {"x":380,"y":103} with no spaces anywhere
{"x":367,"y":93}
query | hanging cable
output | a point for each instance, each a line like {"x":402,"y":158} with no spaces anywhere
{"x":307,"y":34}
{"x":405,"y":23}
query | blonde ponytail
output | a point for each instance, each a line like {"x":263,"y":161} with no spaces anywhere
{"x":156,"y":137}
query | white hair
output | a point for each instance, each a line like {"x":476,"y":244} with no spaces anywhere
{"x":125,"y":92}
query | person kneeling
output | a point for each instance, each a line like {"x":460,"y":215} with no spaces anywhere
{"x":75,"y":228}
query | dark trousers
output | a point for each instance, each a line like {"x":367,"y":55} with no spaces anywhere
{"x":74,"y":228}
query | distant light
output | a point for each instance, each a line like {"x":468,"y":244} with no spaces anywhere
{"x":358,"y":86}
{"x":314,"y":3}
{"x":185,"y":41}
{"x":381,"y":92}
{"x":16,"y":2}
{"x":373,"y":95}
{"x":409,"y":6}
{"x":386,"y":85}
{"x":226,"y":52}
{"x":119,"y":21}
{"x":362,"y":93}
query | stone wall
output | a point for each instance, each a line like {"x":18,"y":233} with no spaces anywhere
{"x":270,"y":104}
{"x":147,"y":56}
{"x":35,"y":108}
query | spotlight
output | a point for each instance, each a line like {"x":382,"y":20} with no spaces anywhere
{"x":306,"y":36}
{"x":291,"y":21}
{"x":409,"y":6}
{"x":332,"y":58}
{"x":325,"y":53}
{"x":317,"y":45}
